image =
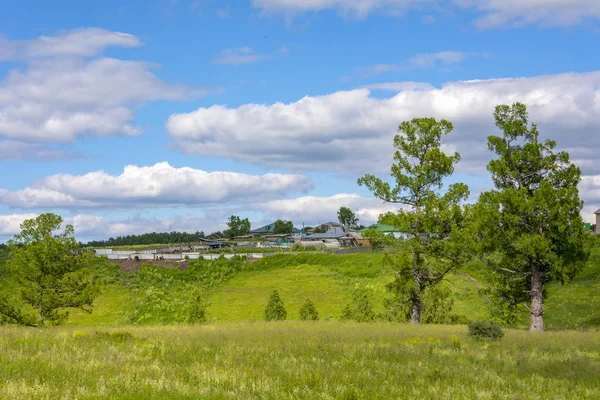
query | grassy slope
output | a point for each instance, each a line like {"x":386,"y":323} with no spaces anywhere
{"x":294,"y":360}
{"x":331,"y":281}
{"x":245,"y":296}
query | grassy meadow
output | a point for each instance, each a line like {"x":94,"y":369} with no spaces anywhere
{"x":137,"y":345}
{"x":296,"y":360}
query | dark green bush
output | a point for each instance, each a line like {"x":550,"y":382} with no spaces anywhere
{"x":308,"y":312}
{"x":364,"y":311}
{"x":347,"y":313}
{"x":485,"y":330}
{"x":275,"y":311}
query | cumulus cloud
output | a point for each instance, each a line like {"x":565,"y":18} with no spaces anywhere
{"x":61,"y":93}
{"x":490,"y":13}
{"x":160,"y":185}
{"x":93,"y":227}
{"x":352,"y":131}
{"x":312,"y":209}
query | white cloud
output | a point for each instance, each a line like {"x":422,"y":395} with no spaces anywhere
{"x":11,"y":150}
{"x":239,"y":56}
{"x":10,"y":224}
{"x":61,"y":95}
{"x":93,"y":227}
{"x":160,"y":185}
{"x":526,"y":12}
{"x":379,"y":68}
{"x":351,"y":131}
{"x":399,"y":86}
{"x":78,"y":42}
{"x":430,"y":60}
{"x":312,"y":209}
{"x":491,"y":13}
{"x":424,"y":61}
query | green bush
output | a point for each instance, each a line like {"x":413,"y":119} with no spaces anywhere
{"x":363,"y":312}
{"x":308,"y":312}
{"x":485,"y":330}
{"x":275,"y":311}
{"x":347,"y":313}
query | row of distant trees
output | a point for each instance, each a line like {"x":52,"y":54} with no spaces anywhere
{"x":149,"y":238}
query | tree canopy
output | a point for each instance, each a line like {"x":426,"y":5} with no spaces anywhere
{"x":149,"y":238}
{"x":53,"y":273}
{"x":347,"y":218}
{"x":282,"y":227}
{"x":237,"y":226}
{"x":529,"y":228}
{"x":430,"y":218}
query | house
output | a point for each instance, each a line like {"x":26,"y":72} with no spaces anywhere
{"x":597,"y":220}
{"x":387,"y":230}
{"x":334,"y":231}
{"x":270,"y":230}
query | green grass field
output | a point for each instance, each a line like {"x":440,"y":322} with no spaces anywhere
{"x":295,"y":360}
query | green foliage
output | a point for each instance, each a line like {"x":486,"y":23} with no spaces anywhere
{"x":149,"y":239}
{"x":295,"y":360}
{"x":530,"y":223}
{"x":275,"y":311}
{"x":485,"y":330}
{"x":347,"y":218}
{"x":347,"y":313}
{"x":53,"y":274}
{"x":308,"y":311}
{"x":436,"y":302}
{"x":364,"y":311}
{"x":282,"y":226}
{"x":321,"y":229}
{"x":434,"y":220}
{"x":237,"y":226}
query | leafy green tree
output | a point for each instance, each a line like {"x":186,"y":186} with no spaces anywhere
{"x":432,"y":219}
{"x":275,"y":311}
{"x":53,"y":272}
{"x":321,"y":229}
{"x":364,"y":311}
{"x":347,"y":218}
{"x":308,"y":311}
{"x":347,"y":313}
{"x":237,"y":226}
{"x":529,"y":227}
{"x":282,"y":227}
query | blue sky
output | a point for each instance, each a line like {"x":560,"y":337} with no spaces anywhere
{"x":270,"y":108}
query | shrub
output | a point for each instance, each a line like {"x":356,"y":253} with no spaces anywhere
{"x":197,"y":307}
{"x":308,"y":312}
{"x":347,"y":313}
{"x":456,"y":343}
{"x":363,"y":312}
{"x":485,"y":330}
{"x":274,"y":311}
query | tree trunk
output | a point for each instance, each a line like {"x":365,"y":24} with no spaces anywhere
{"x":416,"y":295}
{"x":416,"y":309}
{"x":537,"y":305}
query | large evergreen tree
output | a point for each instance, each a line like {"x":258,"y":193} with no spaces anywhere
{"x":529,"y":227}
{"x":431,"y":218}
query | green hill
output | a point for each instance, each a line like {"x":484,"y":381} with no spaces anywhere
{"x":240,"y":293}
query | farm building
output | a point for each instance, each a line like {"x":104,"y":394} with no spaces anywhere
{"x":269,"y":230}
